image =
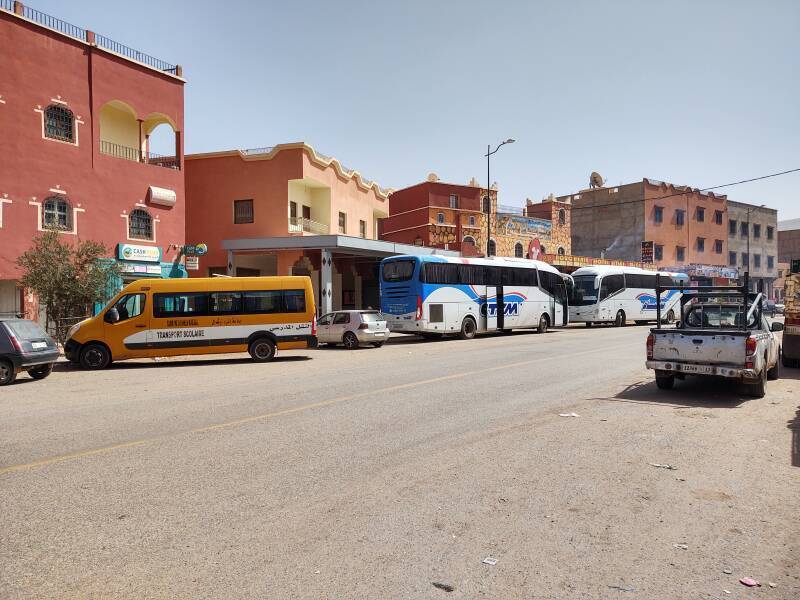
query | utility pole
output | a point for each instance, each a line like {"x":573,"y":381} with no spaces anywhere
{"x":489,"y":153}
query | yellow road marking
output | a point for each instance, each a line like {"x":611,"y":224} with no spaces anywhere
{"x":279,"y":413}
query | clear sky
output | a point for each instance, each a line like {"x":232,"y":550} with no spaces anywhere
{"x":692,"y":92}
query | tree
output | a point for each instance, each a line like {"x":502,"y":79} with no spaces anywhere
{"x":68,"y":278}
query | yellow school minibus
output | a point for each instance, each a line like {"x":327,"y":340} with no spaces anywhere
{"x":204,"y":315}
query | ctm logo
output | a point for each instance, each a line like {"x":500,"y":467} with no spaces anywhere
{"x":510,"y":309}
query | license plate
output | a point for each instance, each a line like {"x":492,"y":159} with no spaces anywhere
{"x":38,"y":345}
{"x":698,"y":369}
{"x":379,"y":333}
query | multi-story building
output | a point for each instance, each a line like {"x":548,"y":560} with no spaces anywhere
{"x":77,"y":111}
{"x":789,"y":240}
{"x":282,"y":192}
{"x":753,"y":243}
{"x":454,"y":217}
{"x":687,"y":228}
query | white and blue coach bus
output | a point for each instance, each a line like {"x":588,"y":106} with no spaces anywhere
{"x":607,"y":294}
{"x":435,"y":295}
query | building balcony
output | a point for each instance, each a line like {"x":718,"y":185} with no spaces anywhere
{"x":307,"y":226}
{"x":137,"y":155}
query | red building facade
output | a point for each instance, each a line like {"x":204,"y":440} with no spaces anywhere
{"x":77,"y":111}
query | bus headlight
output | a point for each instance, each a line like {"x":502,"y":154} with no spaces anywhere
{"x":73,"y":330}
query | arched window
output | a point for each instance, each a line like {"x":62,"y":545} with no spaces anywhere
{"x":562,"y":216}
{"x":472,"y":221}
{"x":492,"y":248}
{"x":543,"y":249}
{"x":561,"y":250}
{"x":468,"y":239}
{"x":57,"y":214}
{"x":140,"y":225}
{"x":518,"y":250}
{"x":440,"y":217}
{"x":59,"y":123}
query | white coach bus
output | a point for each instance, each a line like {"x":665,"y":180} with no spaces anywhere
{"x":607,"y":294}
{"x":435,"y":295}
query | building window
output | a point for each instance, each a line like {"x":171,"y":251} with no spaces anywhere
{"x":718,"y":246}
{"x":140,"y":225}
{"x":57,"y":214}
{"x":770,"y":232}
{"x":242,"y":211}
{"x":756,"y":231}
{"x":342,"y":223}
{"x":561,"y":251}
{"x":744,"y":228}
{"x":701,"y":244}
{"x":293,"y":209}
{"x":680,"y":253}
{"x":362,"y":229}
{"x":562,"y":216}
{"x":487,"y":205}
{"x":770,"y":263}
{"x":701,"y":214}
{"x":453,"y":201}
{"x":472,"y":221}
{"x":59,"y":124}
{"x":492,"y":248}
{"x":518,"y":250}
{"x":756,"y":261}
{"x":658,"y":214}
{"x":718,"y":217}
{"x":731,"y":227}
{"x":679,"y":217}
{"x":440,"y":218}
{"x":746,"y":261}
{"x":658,"y":251}
{"x":732,"y":259}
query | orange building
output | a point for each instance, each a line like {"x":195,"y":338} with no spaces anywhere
{"x":296,"y":202}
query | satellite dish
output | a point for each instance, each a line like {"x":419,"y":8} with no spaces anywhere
{"x":433,"y":177}
{"x":596,"y":180}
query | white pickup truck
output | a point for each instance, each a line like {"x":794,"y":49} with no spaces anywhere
{"x":718,"y":336}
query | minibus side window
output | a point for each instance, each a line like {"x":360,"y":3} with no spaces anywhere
{"x":130,"y":306}
{"x":295,"y":301}
{"x":186,"y":304}
{"x":225,"y":303}
{"x":262,"y":302}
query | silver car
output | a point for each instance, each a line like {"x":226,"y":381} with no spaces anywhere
{"x":353,"y":328}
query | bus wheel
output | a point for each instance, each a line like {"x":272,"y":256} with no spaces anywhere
{"x":670,"y":317}
{"x":619,"y":321}
{"x":95,"y":357}
{"x":468,"y":329}
{"x":262,"y":349}
{"x":544,"y":322}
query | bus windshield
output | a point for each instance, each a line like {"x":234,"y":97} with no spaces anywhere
{"x":398,"y":270}
{"x":584,"y":291}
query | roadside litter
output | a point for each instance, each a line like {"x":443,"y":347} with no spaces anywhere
{"x":572,"y":414}
{"x":489,"y":561}
{"x":622,"y":588}
{"x":749,"y":582}
{"x":660,"y":466}
{"x":727,"y":571}
{"x":681,"y":546}
{"x":771,"y":584}
{"x":443,"y":586}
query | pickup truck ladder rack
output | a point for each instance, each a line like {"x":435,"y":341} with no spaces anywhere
{"x":721,"y":290}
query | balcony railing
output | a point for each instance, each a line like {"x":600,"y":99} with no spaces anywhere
{"x":136,"y":155}
{"x":301,"y":225}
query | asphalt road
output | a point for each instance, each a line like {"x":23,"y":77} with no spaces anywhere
{"x":374,"y":473}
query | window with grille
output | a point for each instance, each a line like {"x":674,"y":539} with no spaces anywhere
{"x":59,"y":123}
{"x":562,"y":216}
{"x":701,"y":214}
{"x":453,"y":201}
{"x":242,"y":211}
{"x":440,"y":217}
{"x":679,"y":217}
{"x":718,"y":246}
{"x":140,"y":225}
{"x":718,"y":217}
{"x":518,"y":250}
{"x":57,"y":214}
{"x":472,"y":221}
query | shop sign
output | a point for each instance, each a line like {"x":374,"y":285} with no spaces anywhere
{"x":138,"y":253}
{"x":140,"y":269}
{"x":194,"y":250}
{"x":647,"y":252}
{"x":192,"y":263}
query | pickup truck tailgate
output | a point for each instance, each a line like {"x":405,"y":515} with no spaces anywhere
{"x":712,"y":348}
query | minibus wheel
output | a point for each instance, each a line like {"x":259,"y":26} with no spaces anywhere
{"x":262,"y":349}
{"x":94,"y":357}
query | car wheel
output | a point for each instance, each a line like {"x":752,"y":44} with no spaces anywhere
{"x":774,"y":372}
{"x":589,"y":323}
{"x":41,"y":372}
{"x":619,"y":320}
{"x":468,"y":329}
{"x":262,"y":349}
{"x":7,"y":373}
{"x":665,"y":382}
{"x":350,"y":340}
{"x":95,"y":357}
{"x":759,"y":389}
{"x":544,"y":323}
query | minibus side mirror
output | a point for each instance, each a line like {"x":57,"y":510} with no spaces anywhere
{"x":111,"y":316}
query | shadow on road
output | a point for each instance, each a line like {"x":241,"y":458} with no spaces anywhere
{"x":794,"y":427}
{"x":692,"y":392}
{"x":121,"y":366}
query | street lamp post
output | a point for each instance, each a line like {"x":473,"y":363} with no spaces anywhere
{"x":749,"y":210}
{"x":489,"y":153}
